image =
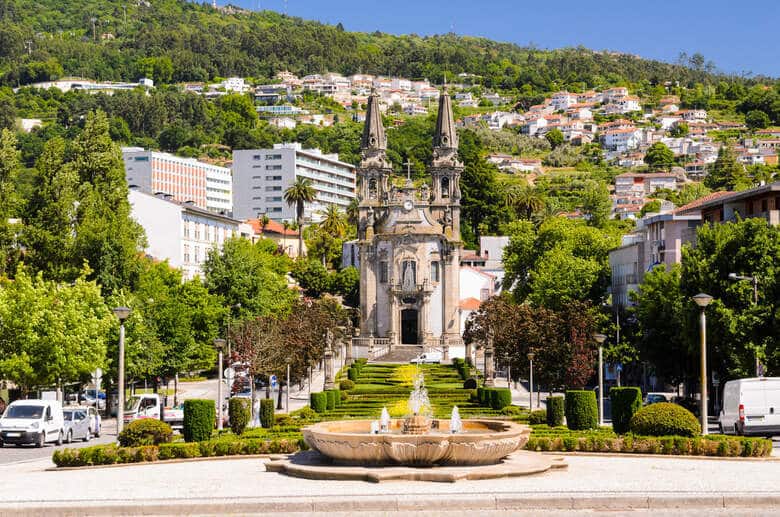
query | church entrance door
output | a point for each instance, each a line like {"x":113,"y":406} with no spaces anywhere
{"x":409,"y":333}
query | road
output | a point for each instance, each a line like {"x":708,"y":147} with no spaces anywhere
{"x":11,"y":454}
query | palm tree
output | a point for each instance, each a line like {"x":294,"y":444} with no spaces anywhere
{"x":528,"y":201}
{"x":353,"y":212}
{"x":334,"y":222}
{"x":298,"y":194}
{"x":264,"y":222}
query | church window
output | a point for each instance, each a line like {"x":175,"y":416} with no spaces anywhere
{"x":445,"y":187}
{"x":435,"y":271}
{"x":372,"y":188}
{"x":383,"y":271}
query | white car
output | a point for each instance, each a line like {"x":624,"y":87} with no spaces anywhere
{"x":751,"y":407}
{"x":428,"y":357}
{"x":32,"y":421}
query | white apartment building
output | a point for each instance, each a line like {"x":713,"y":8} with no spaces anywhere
{"x":182,"y":233}
{"x":643,"y":184}
{"x":185,"y":179}
{"x":620,"y":140}
{"x":261,"y":176}
{"x":563,"y":100}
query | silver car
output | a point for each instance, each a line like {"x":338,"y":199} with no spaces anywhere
{"x":77,"y":424}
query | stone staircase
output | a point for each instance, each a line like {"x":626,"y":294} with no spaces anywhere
{"x":400,"y":354}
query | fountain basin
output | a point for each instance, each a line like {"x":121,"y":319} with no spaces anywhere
{"x":482,"y":442}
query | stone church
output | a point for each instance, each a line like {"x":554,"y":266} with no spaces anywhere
{"x":409,"y":240}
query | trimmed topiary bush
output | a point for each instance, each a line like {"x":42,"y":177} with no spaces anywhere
{"x":267,"y":413}
{"x":554,"y":411}
{"x":470,"y":384}
{"x":238,"y":409}
{"x":352,"y":374}
{"x":147,"y":431}
{"x":199,"y":418}
{"x":481,"y":396}
{"x":664,"y":418}
{"x":319,"y":402}
{"x":512,"y":411}
{"x":500,"y":398}
{"x":537,"y":416}
{"x":331,"y":399}
{"x":625,"y":402}
{"x":581,"y":410}
{"x":346,"y":385}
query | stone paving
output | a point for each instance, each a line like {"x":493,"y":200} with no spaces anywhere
{"x":243,"y":485}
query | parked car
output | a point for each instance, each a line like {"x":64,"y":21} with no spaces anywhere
{"x":654,"y":398}
{"x":428,"y":357}
{"x":32,"y":421}
{"x":142,"y":406}
{"x":77,"y":425}
{"x":751,"y":407}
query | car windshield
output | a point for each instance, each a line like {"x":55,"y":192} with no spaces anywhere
{"x":132,"y":403}
{"x":31,"y":412}
{"x":68,"y":415}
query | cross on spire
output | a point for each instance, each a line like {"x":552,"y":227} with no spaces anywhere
{"x":408,"y":170}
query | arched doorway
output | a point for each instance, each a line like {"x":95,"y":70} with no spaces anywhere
{"x":409,"y":330}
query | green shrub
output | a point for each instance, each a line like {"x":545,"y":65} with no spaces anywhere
{"x":537,"y":416}
{"x":511,"y":411}
{"x":199,"y":419}
{"x":305,"y":413}
{"x":331,"y":399}
{"x":336,"y":397}
{"x":352,"y":374}
{"x":319,"y":402}
{"x":240,"y":414}
{"x":170,"y":451}
{"x":481,"y":396}
{"x":625,"y":402}
{"x":267,"y":413}
{"x":664,"y":418}
{"x":581,"y":410}
{"x":346,"y":385}
{"x":470,"y":383}
{"x":554,"y":411}
{"x":147,"y":431}
{"x":500,"y":398}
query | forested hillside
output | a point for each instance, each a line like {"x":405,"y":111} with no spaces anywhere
{"x":176,"y":40}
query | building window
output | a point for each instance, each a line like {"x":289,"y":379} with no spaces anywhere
{"x":273,"y":178}
{"x":197,"y":237}
{"x":273,"y":189}
{"x":256,"y":157}
{"x":435,"y":271}
{"x":275,"y":209}
{"x":445,"y":187}
{"x":372,"y":189}
{"x":383,"y":272}
{"x":273,"y":167}
{"x":273,"y":156}
{"x":484,"y":294}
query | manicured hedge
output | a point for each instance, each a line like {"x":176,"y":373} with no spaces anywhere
{"x":346,"y":385}
{"x":500,"y":398}
{"x":537,"y":416}
{"x":240,"y":414}
{"x":555,"y":411}
{"x":147,"y":431}
{"x":581,"y":410}
{"x":664,"y":418}
{"x":331,"y":399}
{"x":625,"y":402}
{"x":352,"y":374}
{"x":267,"y":413}
{"x":319,"y":402}
{"x":713,"y":445}
{"x":111,"y":454}
{"x":481,"y":396}
{"x":470,"y":383}
{"x":199,"y":418}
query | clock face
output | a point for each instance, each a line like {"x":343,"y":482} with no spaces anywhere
{"x":408,"y":205}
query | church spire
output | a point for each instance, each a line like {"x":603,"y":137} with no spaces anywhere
{"x":373,"y":144}
{"x":445,"y":138}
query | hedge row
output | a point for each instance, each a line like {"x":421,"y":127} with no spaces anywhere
{"x":496,"y":398}
{"x":555,"y":411}
{"x":581,"y":410}
{"x":625,"y":401}
{"x":672,"y":445}
{"x":200,"y":415}
{"x":111,"y":454}
{"x":319,"y":401}
{"x":462,"y":367}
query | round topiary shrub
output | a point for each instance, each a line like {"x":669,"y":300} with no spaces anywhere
{"x":500,"y":398}
{"x":664,"y":418}
{"x":537,"y":416}
{"x":346,"y":385}
{"x":199,"y":418}
{"x":581,"y":410}
{"x":267,"y":413}
{"x":554,"y":411}
{"x":512,"y":411}
{"x":470,"y":384}
{"x":238,"y":409}
{"x":319,"y":402}
{"x":147,"y":431}
{"x":625,"y":402}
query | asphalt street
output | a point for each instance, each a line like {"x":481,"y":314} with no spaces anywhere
{"x":10,"y":454}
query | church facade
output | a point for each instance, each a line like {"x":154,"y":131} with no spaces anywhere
{"x":409,"y":240}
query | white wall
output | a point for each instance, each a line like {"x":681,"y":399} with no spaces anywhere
{"x":162,"y":222}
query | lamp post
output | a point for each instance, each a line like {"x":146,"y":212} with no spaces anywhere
{"x":122,"y":313}
{"x":219,"y":344}
{"x":703,"y":300}
{"x":754,"y":281}
{"x":600,"y":338}
{"x":531,"y":381}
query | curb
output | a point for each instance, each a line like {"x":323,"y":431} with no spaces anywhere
{"x":401,"y":503}
{"x":168,"y":462}
{"x":654,"y":456}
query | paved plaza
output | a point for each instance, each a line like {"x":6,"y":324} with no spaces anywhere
{"x":615,"y":483}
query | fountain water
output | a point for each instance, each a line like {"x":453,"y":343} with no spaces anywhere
{"x":384,"y":421}
{"x":456,"y":425}
{"x":419,"y":422}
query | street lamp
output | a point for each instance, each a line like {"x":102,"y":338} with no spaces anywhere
{"x":122,"y":313}
{"x":219,"y":344}
{"x":703,"y":300}
{"x":531,"y":381}
{"x":753,"y":280}
{"x":600,"y":338}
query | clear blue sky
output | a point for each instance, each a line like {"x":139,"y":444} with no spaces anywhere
{"x":737,"y":36}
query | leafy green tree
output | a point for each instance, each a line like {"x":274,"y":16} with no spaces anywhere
{"x":757,"y":119}
{"x":679,"y":130}
{"x":526,"y":200}
{"x":297,"y":195}
{"x":650,"y":207}
{"x":9,"y":169}
{"x":554,"y":137}
{"x":726,"y":173}
{"x":51,"y":333}
{"x":596,"y":204}
{"x":659,"y":156}
{"x":312,"y":277}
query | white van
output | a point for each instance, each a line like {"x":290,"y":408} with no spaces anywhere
{"x":32,"y":421}
{"x":428,"y":357}
{"x":142,"y":406}
{"x":751,"y":407}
